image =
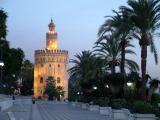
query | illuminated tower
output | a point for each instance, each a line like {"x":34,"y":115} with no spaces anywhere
{"x":51,"y":37}
{"x":50,"y":62}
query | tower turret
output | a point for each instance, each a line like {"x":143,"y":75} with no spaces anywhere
{"x":51,"y":37}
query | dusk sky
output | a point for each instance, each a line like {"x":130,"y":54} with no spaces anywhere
{"x":77,"y":23}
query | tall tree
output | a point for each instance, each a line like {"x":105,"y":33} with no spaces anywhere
{"x":51,"y":89}
{"x":11,"y":57}
{"x":122,"y":27}
{"x":3,"y":26}
{"x":27,"y":77}
{"x":3,"y":43}
{"x":13,"y":60}
{"x":145,"y":14}
{"x":109,"y":48}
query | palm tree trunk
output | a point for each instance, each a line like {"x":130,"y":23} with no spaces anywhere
{"x":143,"y":68}
{"x":144,"y":43}
{"x":123,"y":43}
{"x":113,"y":70}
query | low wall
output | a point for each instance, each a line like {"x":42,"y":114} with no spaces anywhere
{"x":115,"y":114}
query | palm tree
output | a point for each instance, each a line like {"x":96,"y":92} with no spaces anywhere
{"x":87,"y":70}
{"x":122,"y":28}
{"x":81,"y":64}
{"x":109,"y":48}
{"x":145,"y":15}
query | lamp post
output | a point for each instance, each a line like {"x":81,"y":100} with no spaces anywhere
{"x":78,"y":94}
{"x":1,"y":65}
{"x":1,"y":62}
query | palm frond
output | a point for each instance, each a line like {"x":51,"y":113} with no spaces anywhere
{"x":153,"y":48}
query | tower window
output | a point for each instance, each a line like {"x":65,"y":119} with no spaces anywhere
{"x":41,"y":79}
{"x":58,"y":80}
{"x":50,"y":65}
{"x":58,"y":65}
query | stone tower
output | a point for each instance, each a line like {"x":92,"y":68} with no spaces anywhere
{"x":50,"y":62}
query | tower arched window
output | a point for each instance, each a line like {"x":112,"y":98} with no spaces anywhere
{"x":58,"y":80}
{"x":41,"y":79}
{"x":58,"y":65}
{"x":43,"y":59}
{"x":41,"y":65}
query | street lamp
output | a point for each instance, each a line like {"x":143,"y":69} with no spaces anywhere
{"x":1,"y":63}
{"x":95,"y":87}
{"x":129,"y":84}
{"x":107,"y":86}
{"x":14,"y":75}
{"x":78,"y":93}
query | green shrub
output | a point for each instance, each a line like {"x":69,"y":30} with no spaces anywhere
{"x":156,"y":111}
{"x":155,"y":98}
{"x":103,"y":101}
{"x":142,"y":107}
{"x":85,"y":99}
{"x":118,"y":103}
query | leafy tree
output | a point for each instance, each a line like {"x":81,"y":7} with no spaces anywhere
{"x":27,"y":74}
{"x":13,"y":60}
{"x":3,"y":43}
{"x":145,"y":17}
{"x":51,"y":89}
{"x":11,"y":57}
{"x":3,"y":26}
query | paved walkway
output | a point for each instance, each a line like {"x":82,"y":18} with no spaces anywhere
{"x":4,"y":116}
{"x":23,"y":109}
{"x":63,"y":111}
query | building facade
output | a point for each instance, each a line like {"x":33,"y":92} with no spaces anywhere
{"x":50,"y":62}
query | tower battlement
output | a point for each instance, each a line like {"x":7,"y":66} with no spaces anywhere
{"x":56,"y":51}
